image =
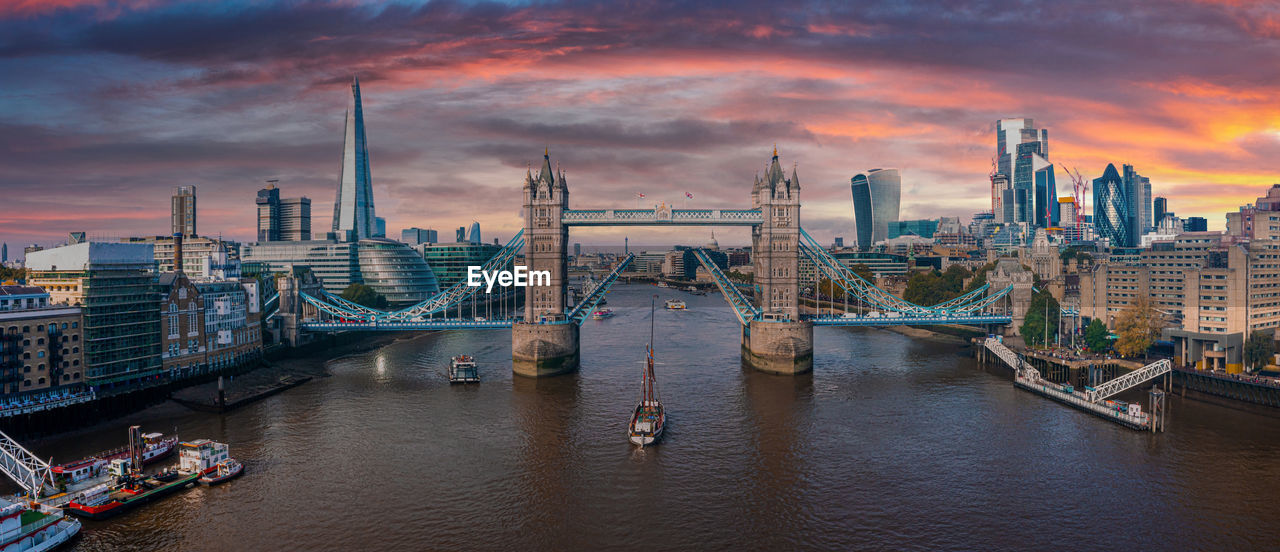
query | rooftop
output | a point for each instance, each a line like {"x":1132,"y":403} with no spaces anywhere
{"x":21,"y":291}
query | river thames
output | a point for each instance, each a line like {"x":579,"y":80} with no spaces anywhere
{"x":891,"y":443}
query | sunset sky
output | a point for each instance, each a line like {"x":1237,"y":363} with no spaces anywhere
{"x":106,"y":106}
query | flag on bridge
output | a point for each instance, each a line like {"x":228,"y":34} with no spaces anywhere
{"x":688,"y":195}
{"x":639,"y":195}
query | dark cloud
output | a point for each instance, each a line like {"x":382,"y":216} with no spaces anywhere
{"x":659,"y":95}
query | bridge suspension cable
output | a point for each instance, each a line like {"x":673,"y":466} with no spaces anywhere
{"x":852,"y":283}
{"x":742,"y":307}
{"x":461,"y":291}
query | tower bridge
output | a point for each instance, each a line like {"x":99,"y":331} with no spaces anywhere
{"x":776,"y":336}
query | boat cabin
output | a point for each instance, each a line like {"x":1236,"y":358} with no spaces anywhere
{"x":201,"y":455}
{"x":119,"y":467}
{"x":77,"y":472}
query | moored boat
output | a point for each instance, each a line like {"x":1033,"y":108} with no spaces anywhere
{"x":134,"y":488}
{"x":602,"y":314}
{"x":24,"y":528}
{"x":155,"y":447}
{"x":224,"y":471}
{"x":649,"y":418}
{"x":93,"y":470}
{"x":462,"y":369}
{"x":674,"y":304}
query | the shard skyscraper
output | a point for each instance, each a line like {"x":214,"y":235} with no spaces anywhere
{"x":353,"y":217}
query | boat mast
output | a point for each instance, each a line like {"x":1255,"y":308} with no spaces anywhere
{"x":648,"y":376}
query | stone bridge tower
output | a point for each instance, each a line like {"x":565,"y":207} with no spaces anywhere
{"x":775,"y":244}
{"x":777,"y":342}
{"x":539,"y":349}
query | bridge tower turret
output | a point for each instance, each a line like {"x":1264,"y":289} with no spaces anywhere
{"x":778,"y":341}
{"x":545,"y":344}
{"x":775,"y":244}
{"x":546,"y":196}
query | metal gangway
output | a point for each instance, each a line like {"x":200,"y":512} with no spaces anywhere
{"x":1020,"y":367}
{"x":1130,"y":380}
{"x":24,"y":468}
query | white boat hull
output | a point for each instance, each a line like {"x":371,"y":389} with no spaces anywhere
{"x":49,"y":539}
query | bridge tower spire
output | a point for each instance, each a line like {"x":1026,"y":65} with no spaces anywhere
{"x":543,"y":344}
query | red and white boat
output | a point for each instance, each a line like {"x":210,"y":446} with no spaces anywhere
{"x":224,"y":471}
{"x":156,"y":447}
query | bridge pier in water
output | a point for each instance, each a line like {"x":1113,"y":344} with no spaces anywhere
{"x":778,"y":347}
{"x":542,"y":350}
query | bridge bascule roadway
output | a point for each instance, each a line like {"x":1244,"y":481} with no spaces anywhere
{"x":776,"y":336}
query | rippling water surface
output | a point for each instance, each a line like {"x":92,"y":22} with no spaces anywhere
{"x":892,"y":443}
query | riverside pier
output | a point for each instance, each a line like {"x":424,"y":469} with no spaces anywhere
{"x":1094,"y":400}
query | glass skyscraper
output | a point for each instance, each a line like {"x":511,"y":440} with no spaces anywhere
{"x":354,"y":254}
{"x":353,"y":217}
{"x":876,"y":198}
{"x":1023,"y":187}
{"x":1112,"y":213}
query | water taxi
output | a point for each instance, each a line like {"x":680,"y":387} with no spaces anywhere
{"x":602,"y":314}
{"x":675,"y":304}
{"x":225,"y":470}
{"x":649,"y":418}
{"x":462,"y":369}
{"x":25,"y":528}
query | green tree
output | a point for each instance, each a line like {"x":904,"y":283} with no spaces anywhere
{"x":361,"y":294}
{"x":1096,"y":336}
{"x":864,"y":271}
{"x":979,"y":277}
{"x":954,"y":277}
{"x":931,"y":288}
{"x":1137,"y":328}
{"x":15,"y":274}
{"x":830,"y":289}
{"x":1034,"y":325}
{"x":1259,"y":350}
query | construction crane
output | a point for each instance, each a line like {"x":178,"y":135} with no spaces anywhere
{"x":1080,"y":187}
{"x":996,"y":195}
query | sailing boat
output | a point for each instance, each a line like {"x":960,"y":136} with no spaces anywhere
{"x":648,"y":419}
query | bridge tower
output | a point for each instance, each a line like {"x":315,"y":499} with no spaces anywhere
{"x":539,"y":348}
{"x":778,"y":341}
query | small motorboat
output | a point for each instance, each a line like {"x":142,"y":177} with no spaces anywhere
{"x":602,"y":314}
{"x":462,"y":369}
{"x":675,"y":304}
{"x":649,"y":418}
{"x":225,"y":470}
